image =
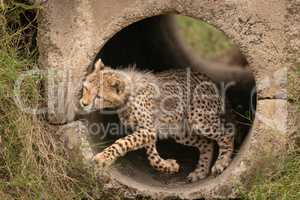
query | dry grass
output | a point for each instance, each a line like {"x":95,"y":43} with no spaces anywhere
{"x":33,"y":162}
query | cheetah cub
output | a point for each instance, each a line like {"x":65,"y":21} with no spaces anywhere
{"x":179,"y":104}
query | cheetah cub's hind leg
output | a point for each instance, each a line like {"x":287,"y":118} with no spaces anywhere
{"x":224,"y":138}
{"x":205,"y":147}
{"x":226,"y":146}
{"x":206,"y":121}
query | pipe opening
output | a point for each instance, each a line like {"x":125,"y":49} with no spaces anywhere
{"x":165,"y":42}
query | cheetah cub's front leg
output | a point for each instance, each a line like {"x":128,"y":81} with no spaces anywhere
{"x":167,"y":166}
{"x":139,"y":139}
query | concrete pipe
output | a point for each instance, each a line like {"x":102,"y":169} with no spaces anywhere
{"x":73,"y":34}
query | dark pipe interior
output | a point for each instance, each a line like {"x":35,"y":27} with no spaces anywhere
{"x":149,"y":43}
{"x":153,"y":44}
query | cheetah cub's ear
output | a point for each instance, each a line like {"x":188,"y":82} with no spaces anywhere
{"x":99,"y":65}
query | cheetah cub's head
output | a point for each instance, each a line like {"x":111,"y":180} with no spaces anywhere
{"x":103,"y":88}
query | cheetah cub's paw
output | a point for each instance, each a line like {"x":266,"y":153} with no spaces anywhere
{"x":219,"y":167}
{"x":170,"y":166}
{"x":196,"y":175}
{"x":102,"y":161}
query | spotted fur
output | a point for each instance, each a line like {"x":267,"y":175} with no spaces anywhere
{"x":179,"y":104}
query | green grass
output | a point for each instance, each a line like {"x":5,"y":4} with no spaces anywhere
{"x":203,"y":38}
{"x":279,"y":180}
{"x":33,"y":162}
